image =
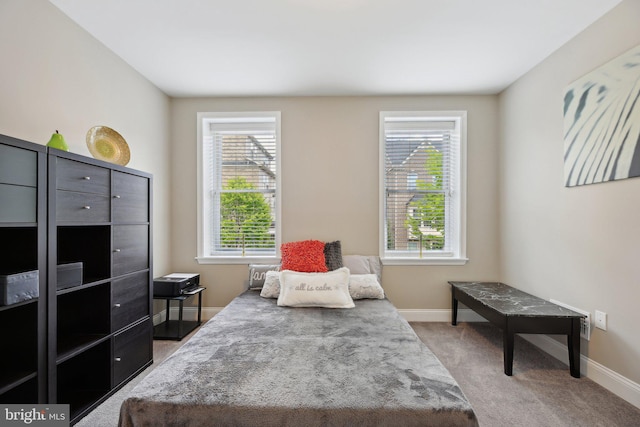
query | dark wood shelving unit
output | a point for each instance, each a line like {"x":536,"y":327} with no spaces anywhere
{"x":23,"y":376}
{"x":79,"y":341}
{"x":100,"y":231}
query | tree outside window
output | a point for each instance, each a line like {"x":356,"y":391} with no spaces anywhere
{"x":245,"y":216}
{"x":426,"y":210}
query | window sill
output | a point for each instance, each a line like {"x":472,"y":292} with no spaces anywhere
{"x":424,"y":261}
{"x":239,"y":260}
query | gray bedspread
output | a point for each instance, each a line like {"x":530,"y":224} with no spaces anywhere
{"x":257,"y":364}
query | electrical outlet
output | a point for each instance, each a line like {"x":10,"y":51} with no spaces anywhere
{"x":601,"y":320}
{"x":585,"y":326}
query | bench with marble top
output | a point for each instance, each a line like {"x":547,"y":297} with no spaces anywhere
{"x":515,"y":311}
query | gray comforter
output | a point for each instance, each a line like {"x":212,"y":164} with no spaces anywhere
{"x":257,"y":364}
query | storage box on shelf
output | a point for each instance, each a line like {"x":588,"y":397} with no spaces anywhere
{"x":19,"y":287}
{"x":69,"y":275}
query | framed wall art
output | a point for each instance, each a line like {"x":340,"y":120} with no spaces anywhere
{"x":602,"y":123}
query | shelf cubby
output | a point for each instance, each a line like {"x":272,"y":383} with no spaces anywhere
{"x":19,"y":361}
{"x":89,"y":245}
{"x":23,"y":391}
{"x":82,"y":380}
{"x":19,"y":251}
{"x":83,"y":318}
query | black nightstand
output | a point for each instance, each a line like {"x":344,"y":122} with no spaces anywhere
{"x":172,"y":329}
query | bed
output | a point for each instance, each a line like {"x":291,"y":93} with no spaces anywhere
{"x":260,"y":364}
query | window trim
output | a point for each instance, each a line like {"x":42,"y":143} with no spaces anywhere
{"x":458,"y":255}
{"x":202,"y":227}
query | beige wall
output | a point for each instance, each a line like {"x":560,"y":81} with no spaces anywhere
{"x":578,"y":245}
{"x":54,"y":75}
{"x":330,"y":187}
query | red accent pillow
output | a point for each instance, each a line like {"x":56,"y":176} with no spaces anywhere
{"x":306,"y":256}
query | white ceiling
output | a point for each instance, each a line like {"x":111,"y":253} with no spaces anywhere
{"x":333,"y":47}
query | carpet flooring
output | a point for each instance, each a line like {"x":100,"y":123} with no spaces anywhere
{"x":541,"y":393}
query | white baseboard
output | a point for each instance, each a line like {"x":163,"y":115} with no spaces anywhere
{"x":600,"y":374}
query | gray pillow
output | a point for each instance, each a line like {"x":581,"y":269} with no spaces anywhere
{"x":364,"y":264}
{"x":333,"y":255}
{"x":257,"y":274}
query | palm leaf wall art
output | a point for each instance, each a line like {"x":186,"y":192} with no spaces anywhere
{"x":602,"y":123}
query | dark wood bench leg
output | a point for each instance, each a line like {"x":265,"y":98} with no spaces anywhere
{"x":508,"y":339}
{"x":454,"y":309}
{"x":573,"y":343}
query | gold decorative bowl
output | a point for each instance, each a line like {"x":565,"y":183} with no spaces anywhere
{"x":106,"y":144}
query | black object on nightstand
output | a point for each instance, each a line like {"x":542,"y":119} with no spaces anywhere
{"x":172,"y":329}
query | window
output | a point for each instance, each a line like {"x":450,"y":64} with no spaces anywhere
{"x":422,"y":184}
{"x":238,"y":180}
{"x":412,"y":180}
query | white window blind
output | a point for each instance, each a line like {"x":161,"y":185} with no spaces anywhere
{"x":240,"y":177}
{"x":422,"y":185}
